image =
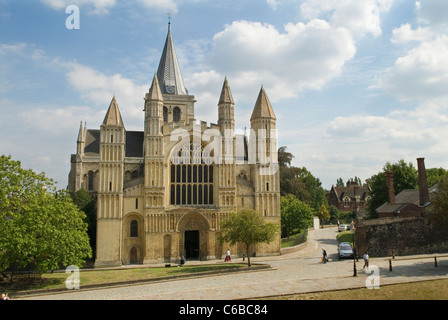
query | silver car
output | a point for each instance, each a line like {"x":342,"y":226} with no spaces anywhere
{"x":345,"y":250}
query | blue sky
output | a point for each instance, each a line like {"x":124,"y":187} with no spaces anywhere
{"x":354,"y":83}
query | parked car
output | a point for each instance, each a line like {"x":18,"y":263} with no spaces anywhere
{"x":342,"y":227}
{"x":345,"y":250}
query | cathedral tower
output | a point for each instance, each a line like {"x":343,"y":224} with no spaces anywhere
{"x":265,"y":159}
{"x":110,"y":189}
{"x":227,"y":159}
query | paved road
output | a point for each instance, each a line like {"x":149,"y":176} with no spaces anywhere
{"x":298,"y":272}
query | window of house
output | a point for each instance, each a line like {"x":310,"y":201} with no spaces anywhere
{"x":346,"y":202}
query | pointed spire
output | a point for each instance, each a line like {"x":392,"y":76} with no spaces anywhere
{"x":263,"y":108}
{"x":81,"y":133}
{"x":170,"y":77}
{"x":113,"y":116}
{"x":154,"y":92}
{"x":226,"y":94}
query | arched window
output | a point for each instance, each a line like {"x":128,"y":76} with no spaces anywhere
{"x":90,"y":184}
{"x":134,"y":229}
{"x":165,"y":114}
{"x":346,"y":201}
{"x":176,"y":114}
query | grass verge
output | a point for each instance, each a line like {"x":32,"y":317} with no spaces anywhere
{"x":56,"y":280}
{"x":422,"y":290}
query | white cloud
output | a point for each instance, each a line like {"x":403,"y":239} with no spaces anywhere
{"x":421,"y":74}
{"x":98,"y":88}
{"x":303,"y":57}
{"x":432,"y":12}
{"x":406,"y":34}
{"x":359,"y":16}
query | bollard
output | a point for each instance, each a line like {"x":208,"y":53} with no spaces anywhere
{"x":355,"y":273}
{"x":390,"y":265}
{"x":435,"y":262}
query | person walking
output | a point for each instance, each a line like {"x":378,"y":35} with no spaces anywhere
{"x":366,"y":260}
{"x":324,"y":255}
{"x":227,"y":255}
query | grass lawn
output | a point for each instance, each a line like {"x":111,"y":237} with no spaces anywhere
{"x":424,"y":290}
{"x":57,"y":280}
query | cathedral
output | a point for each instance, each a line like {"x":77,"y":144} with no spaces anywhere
{"x":164,"y":192}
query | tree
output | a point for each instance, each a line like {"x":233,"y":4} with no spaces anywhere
{"x":324,"y":214}
{"x":248,"y":228}
{"x":296,"y":215}
{"x":405,"y":177}
{"x":300,"y":182}
{"x":39,"y":225}
{"x":86,"y":203}
{"x":439,"y":212}
{"x":340,"y":182}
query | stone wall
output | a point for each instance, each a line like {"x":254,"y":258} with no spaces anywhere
{"x":400,"y":236}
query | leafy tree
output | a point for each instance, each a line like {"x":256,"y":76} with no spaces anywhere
{"x":405,"y":177}
{"x":248,"y":228}
{"x":340,"y":182}
{"x":435,"y":175}
{"x":39,"y":225}
{"x":86,"y":203}
{"x":300,"y":182}
{"x":324,"y":213}
{"x":440,"y":203}
{"x":296,"y":215}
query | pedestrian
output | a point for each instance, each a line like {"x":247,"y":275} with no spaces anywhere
{"x":324,"y":255}
{"x":182,"y":261}
{"x":227,"y":255}
{"x":4,"y":296}
{"x":366,"y":260}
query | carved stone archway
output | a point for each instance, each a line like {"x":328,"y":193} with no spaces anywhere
{"x":193,"y":229}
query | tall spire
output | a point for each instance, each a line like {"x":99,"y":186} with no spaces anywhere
{"x":169,"y":75}
{"x":113,"y":115}
{"x":226,"y":94}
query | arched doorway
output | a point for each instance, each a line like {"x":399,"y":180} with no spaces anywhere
{"x":194,"y":228}
{"x":133,"y":257}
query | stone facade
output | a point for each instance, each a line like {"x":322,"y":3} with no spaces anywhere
{"x":164,"y":192}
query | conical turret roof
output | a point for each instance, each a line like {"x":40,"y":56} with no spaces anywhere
{"x":226,"y":94}
{"x":113,"y":115}
{"x":168,"y":74}
{"x":263,"y":108}
{"x":154,"y":92}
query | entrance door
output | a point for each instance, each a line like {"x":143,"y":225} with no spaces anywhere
{"x":192,"y":244}
{"x":133,"y":259}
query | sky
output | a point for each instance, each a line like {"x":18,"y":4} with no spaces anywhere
{"x":354,"y":84}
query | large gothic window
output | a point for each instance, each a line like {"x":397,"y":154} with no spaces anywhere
{"x":191,"y":183}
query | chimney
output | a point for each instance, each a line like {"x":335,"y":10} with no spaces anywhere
{"x":390,"y":186}
{"x":422,"y":182}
